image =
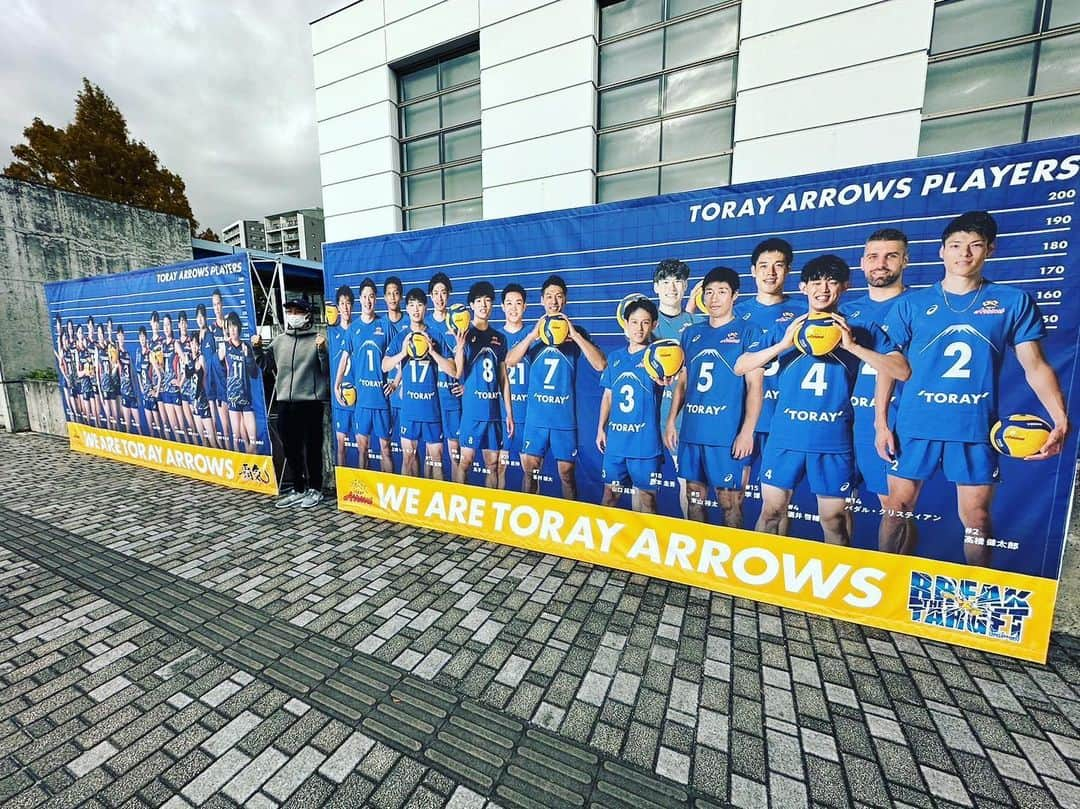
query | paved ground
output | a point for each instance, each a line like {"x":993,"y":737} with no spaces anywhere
{"x":165,"y":642}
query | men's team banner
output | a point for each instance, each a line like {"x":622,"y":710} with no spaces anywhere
{"x":848,"y":392}
{"x":156,"y":369}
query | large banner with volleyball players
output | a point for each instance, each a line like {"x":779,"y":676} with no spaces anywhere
{"x":156,"y":369}
{"x":686,"y":386}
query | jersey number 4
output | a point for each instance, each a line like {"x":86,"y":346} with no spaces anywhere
{"x":815,"y":379}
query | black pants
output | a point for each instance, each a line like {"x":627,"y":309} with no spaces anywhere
{"x":301,"y":426}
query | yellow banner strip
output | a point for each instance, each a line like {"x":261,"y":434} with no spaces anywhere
{"x":238,"y":470}
{"x":997,"y":611}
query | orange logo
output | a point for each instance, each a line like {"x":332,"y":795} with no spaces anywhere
{"x":359,"y":494}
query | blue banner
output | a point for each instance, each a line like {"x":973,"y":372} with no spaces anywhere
{"x":605,"y":253}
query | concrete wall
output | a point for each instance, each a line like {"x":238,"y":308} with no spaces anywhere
{"x":44,"y":411}
{"x":51,"y":235}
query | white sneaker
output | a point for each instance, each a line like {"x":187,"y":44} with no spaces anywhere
{"x":311,"y":498}
{"x":290,"y":499}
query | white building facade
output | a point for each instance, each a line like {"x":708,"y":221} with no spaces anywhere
{"x":433,"y":112}
{"x":245,"y":234}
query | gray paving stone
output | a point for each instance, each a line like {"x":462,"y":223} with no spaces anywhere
{"x":246,"y":782}
{"x":289,"y":777}
{"x":92,"y":758}
{"x":215,"y":776}
{"x":229,"y":735}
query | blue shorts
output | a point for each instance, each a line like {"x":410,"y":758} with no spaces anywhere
{"x":965,"y":464}
{"x":482,"y":435}
{"x":426,"y":432}
{"x":373,"y":422}
{"x":343,"y":420}
{"x":451,"y":423}
{"x":872,"y":469}
{"x":128,"y":401}
{"x":240,"y":404}
{"x":149,"y":402}
{"x":169,"y":397}
{"x":711,"y":465}
{"x":562,"y":443}
{"x":830,"y":474}
{"x":513,"y":443}
{"x":201,"y":407}
{"x":643,"y":473}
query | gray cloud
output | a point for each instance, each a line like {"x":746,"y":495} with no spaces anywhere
{"x":221,"y":91}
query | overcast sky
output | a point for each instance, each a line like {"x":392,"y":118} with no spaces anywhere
{"x":221,"y":90}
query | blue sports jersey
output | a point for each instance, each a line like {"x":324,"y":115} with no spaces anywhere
{"x":446,"y":343}
{"x":401,"y":324}
{"x":188,"y":354}
{"x":552,"y":375}
{"x":240,"y":369}
{"x":169,"y":380}
{"x":485,"y":354}
{"x":813,"y":411}
{"x":419,"y":385}
{"x":633,"y":429}
{"x":367,"y":343}
{"x":518,"y":377}
{"x":863,"y":309}
{"x":213,"y":369}
{"x":715,"y":399}
{"x":955,"y":346}
{"x":767,"y":316}
{"x":671,"y":327}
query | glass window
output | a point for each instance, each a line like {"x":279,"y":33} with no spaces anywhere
{"x":1052,"y":119}
{"x":439,"y":113}
{"x":695,"y":174}
{"x":965,"y":23}
{"x":1064,"y":12}
{"x":997,"y":71}
{"x":628,"y":185}
{"x":670,"y":68}
{"x":974,"y":131}
{"x":1059,"y":65}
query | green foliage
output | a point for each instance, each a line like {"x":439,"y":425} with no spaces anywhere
{"x":94,"y":155}
{"x":209,"y":235}
{"x":45,"y":374}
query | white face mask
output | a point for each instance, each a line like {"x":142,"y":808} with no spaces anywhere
{"x":295,"y":321}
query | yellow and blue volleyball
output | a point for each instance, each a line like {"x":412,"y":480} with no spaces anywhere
{"x":554,"y":329}
{"x":331,"y":312}
{"x":1020,"y":435}
{"x":818,"y":335}
{"x":348,"y":394}
{"x":459,"y":317}
{"x":699,"y":298}
{"x":417,"y":345}
{"x":620,"y":310}
{"x":663,"y":359}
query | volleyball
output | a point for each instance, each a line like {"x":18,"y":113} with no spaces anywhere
{"x":348,"y":394}
{"x":460,"y":317}
{"x":663,"y":359}
{"x":699,"y":298}
{"x":554,"y":329}
{"x":331,"y":313}
{"x":1020,"y":435}
{"x":620,"y":310}
{"x":417,"y":345}
{"x":818,"y":334}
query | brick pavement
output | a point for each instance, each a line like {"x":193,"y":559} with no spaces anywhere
{"x":166,"y":642}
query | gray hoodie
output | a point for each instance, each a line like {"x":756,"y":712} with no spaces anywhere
{"x":301,"y":370}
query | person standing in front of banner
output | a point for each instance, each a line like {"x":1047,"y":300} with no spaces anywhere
{"x":300,"y":365}
{"x":337,"y":334}
{"x":420,"y":416}
{"x":628,"y":431}
{"x":955,"y":334}
{"x":885,"y":256}
{"x":552,"y":417}
{"x":811,"y":431}
{"x":480,"y":364}
{"x":517,"y":376}
{"x":719,"y":410}
{"x":439,"y":288}
{"x":670,"y":281}
{"x":360,"y":364}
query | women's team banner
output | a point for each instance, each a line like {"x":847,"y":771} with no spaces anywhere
{"x":849,"y":393}
{"x":156,"y":369}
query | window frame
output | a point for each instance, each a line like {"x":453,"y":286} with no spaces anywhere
{"x":440,"y":132}
{"x":660,"y":75}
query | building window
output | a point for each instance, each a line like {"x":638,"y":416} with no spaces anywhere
{"x":439,"y":122}
{"x":667,"y":96}
{"x":1001,"y":71}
